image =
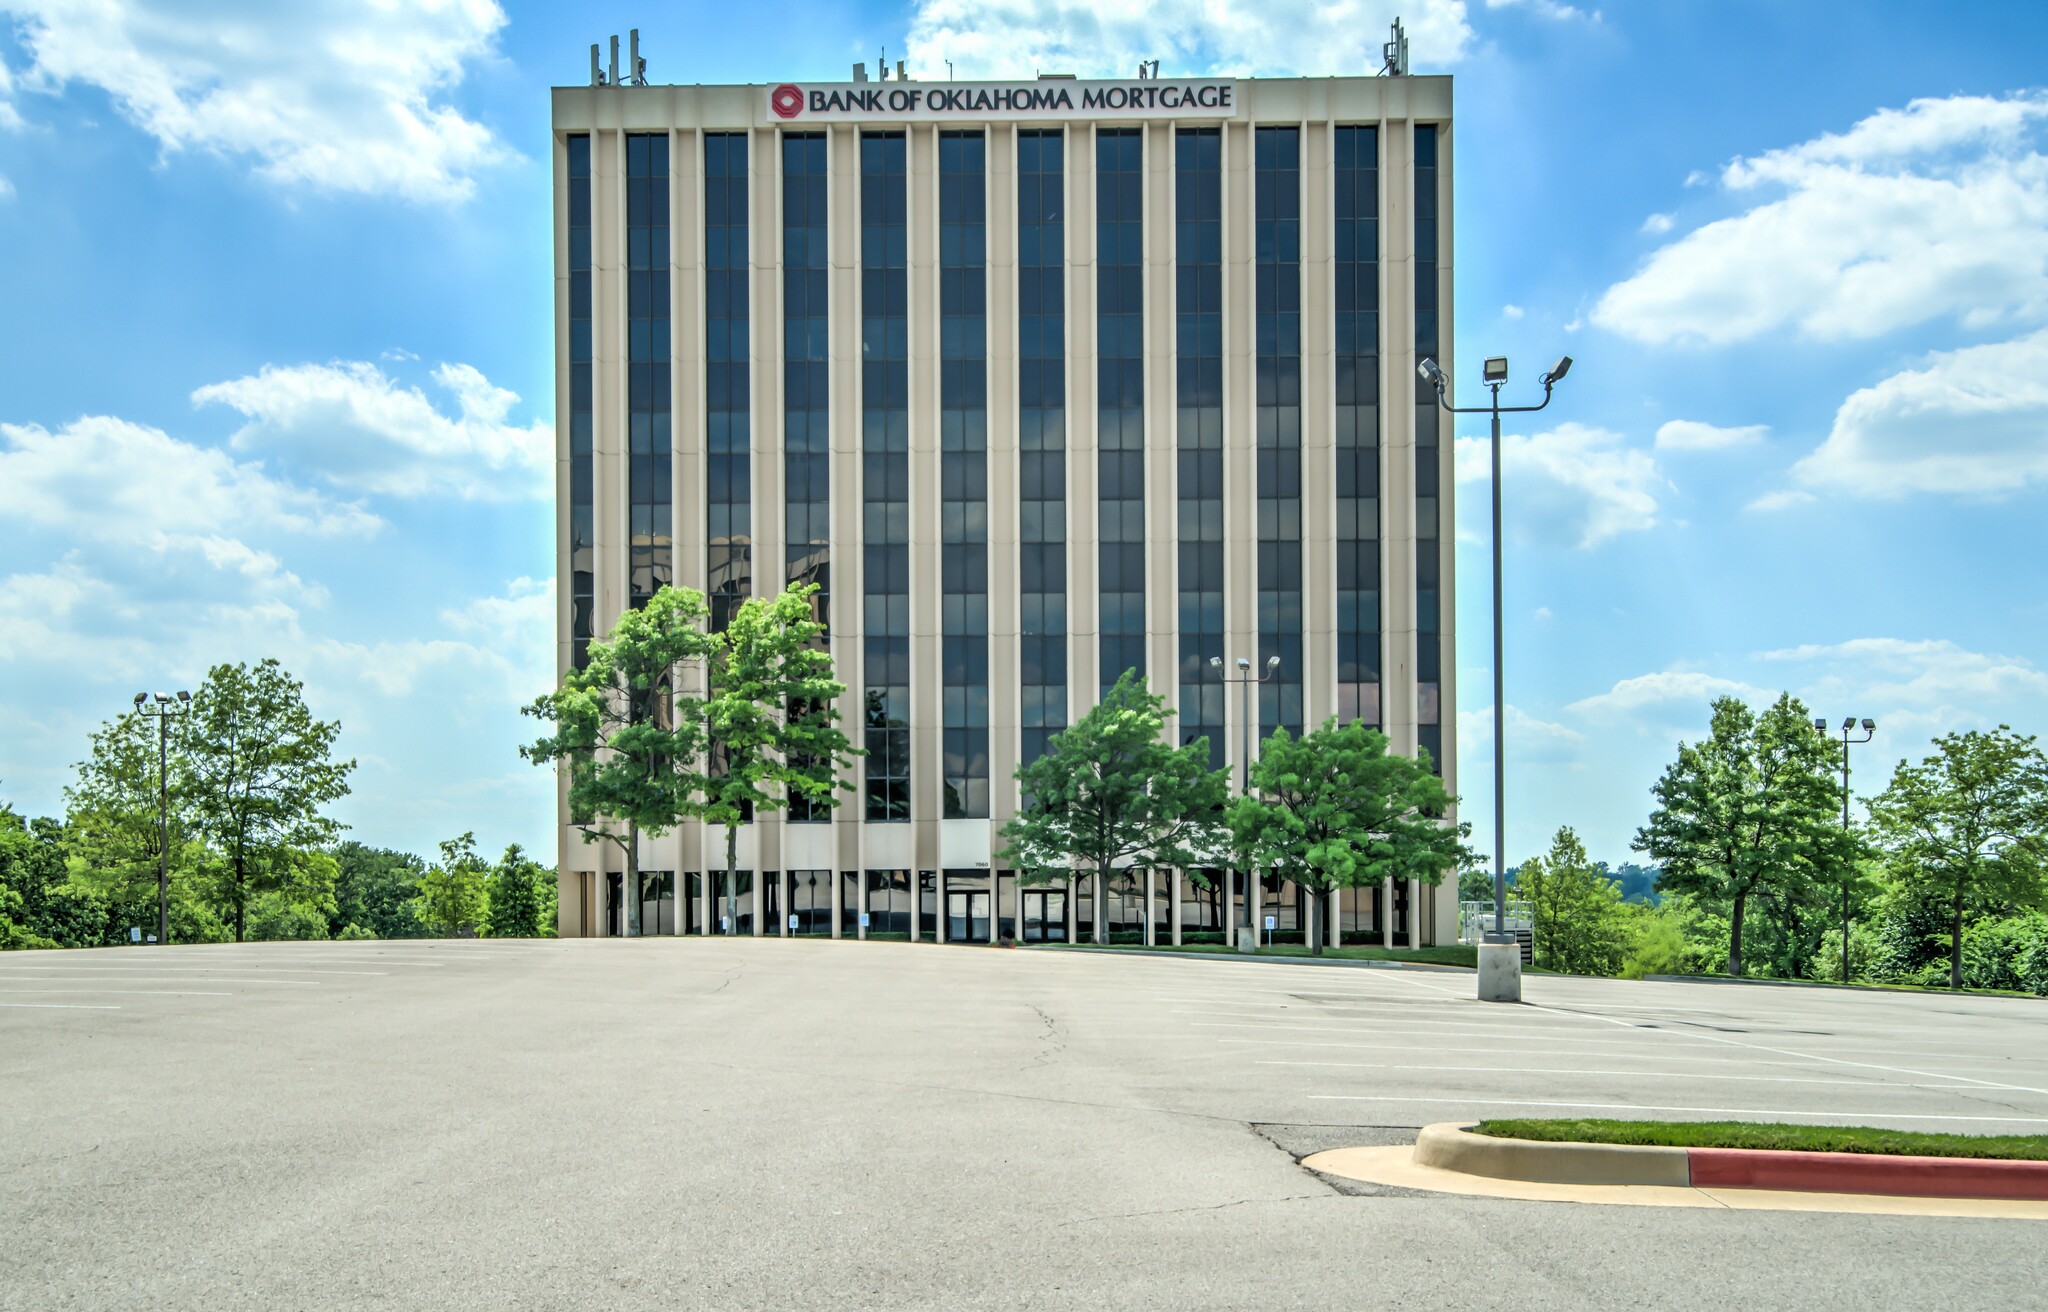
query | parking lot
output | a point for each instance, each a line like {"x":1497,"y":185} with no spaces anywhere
{"x":772,"y":1123}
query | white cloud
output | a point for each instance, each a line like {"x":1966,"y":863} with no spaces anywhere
{"x":1691,"y":435}
{"x":10,"y":118}
{"x":1552,"y":9}
{"x":1190,"y":37}
{"x":1785,"y":499}
{"x":6,"y":188}
{"x":361,"y":430}
{"x":1690,"y":689}
{"x":1936,"y":210}
{"x":1574,"y":484}
{"x":1529,"y":739}
{"x":1510,"y":312}
{"x":1972,"y":422}
{"x":105,"y":480}
{"x":1657,"y":224}
{"x":1918,"y":672}
{"x":334,"y":94}
{"x":1542,"y":612}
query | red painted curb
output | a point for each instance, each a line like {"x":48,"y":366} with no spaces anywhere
{"x":1867,"y":1173}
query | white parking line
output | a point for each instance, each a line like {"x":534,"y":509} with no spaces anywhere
{"x":1654,"y":1107}
{"x":238,"y":968}
{"x":1566,"y":1070}
{"x":183,"y":979}
{"x":1480,"y":1052}
{"x":65,"y":1006}
{"x":153,"y":993}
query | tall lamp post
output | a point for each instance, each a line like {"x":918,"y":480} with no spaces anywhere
{"x":1849,"y":725}
{"x":163,"y":706}
{"x":1500,"y":973}
{"x":1247,"y":933}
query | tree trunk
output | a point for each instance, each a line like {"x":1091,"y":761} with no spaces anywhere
{"x":1955,"y":945}
{"x":1314,"y":938}
{"x":631,"y":892}
{"x":1735,"y":934}
{"x":241,"y":898}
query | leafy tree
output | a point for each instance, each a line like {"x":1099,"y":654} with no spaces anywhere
{"x":36,"y":909}
{"x":255,"y":770}
{"x":300,"y":906}
{"x":374,"y":888}
{"x":454,"y":895}
{"x":1110,"y":793}
{"x":1580,"y":924}
{"x":630,"y":747}
{"x":1969,"y":825}
{"x":111,"y":813}
{"x":522,"y":896}
{"x":772,"y":716}
{"x":1336,"y":809}
{"x":1750,"y":810}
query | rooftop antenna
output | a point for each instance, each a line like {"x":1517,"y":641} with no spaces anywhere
{"x":949,"y":70}
{"x":615,"y":59}
{"x":1395,"y":52}
{"x":596,"y":67}
{"x":637,"y":65}
{"x":884,"y":62}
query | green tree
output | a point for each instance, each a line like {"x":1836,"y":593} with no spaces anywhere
{"x":1749,"y":810}
{"x":630,"y":746}
{"x":255,"y":770}
{"x":111,"y":812}
{"x":522,"y":893}
{"x":37,"y":908}
{"x":1580,"y":924}
{"x":1969,"y":826}
{"x":1109,"y":793}
{"x":772,"y":717}
{"x":454,"y":894}
{"x":1336,"y":809}
{"x":374,"y":888}
{"x":299,"y":907}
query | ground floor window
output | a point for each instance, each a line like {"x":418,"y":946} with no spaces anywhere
{"x":732,"y":910}
{"x":810,"y":900}
{"x":657,"y":902}
{"x":888,"y":903}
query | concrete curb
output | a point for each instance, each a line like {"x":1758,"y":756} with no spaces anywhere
{"x":1452,"y":1147}
{"x":1350,"y":963}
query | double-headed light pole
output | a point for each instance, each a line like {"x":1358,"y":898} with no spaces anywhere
{"x":164,"y":706}
{"x":1247,"y":938}
{"x":1500,"y":974}
{"x":1849,"y":726}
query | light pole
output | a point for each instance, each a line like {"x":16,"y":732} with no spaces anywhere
{"x":163,"y":706}
{"x":1247,"y":934}
{"x":1869,"y":731}
{"x":1495,"y":375}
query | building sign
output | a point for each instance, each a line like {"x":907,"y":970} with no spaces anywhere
{"x":1053,"y":100}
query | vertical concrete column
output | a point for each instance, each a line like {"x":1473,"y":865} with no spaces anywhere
{"x":1151,"y":909}
{"x":927,"y":691}
{"x":1318,"y":427}
{"x":608,"y":375}
{"x":1333,"y":920}
{"x":1084,"y":618}
{"x":1387,"y":912}
{"x":1229,"y":905}
{"x":759,"y":909}
{"x":1415,"y":916}
{"x":1073,"y":910}
{"x":1005,"y":733}
{"x":842,"y":236}
{"x":838,"y":901}
{"x":686,"y":371}
{"x":1162,"y":510}
{"x":1257,"y":893}
{"x":1444,"y":910}
{"x":860,"y":926}
{"x":1173,"y":905}
{"x":942,"y":926}
{"x":1397,"y":429}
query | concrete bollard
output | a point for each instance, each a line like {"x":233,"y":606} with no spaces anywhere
{"x":1500,"y":972}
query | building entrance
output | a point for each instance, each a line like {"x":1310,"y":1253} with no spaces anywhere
{"x":967,"y":917}
{"x":1045,"y":916}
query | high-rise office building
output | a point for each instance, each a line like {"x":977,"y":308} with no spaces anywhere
{"x":1039,"y":382}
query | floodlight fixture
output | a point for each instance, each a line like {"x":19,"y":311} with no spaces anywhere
{"x":1848,"y":724}
{"x":1496,"y":369}
{"x":141,"y":697}
{"x":1215,"y":662}
{"x":1432,"y":373}
{"x":1558,"y":371}
{"x":184,"y":696}
{"x":1870,"y":726}
{"x":162,"y":698}
{"x":1272,"y":662}
{"x":1244,"y":663}
{"x":1820,"y":726}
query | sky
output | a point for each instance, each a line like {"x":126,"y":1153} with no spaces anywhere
{"x":275,"y":359}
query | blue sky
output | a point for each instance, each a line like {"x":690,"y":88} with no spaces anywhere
{"x":274,"y":359}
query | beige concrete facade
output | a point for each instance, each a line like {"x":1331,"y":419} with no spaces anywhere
{"x":851,"y":844}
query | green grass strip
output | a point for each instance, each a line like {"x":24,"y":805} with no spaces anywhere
{"x":1773,"y":1136}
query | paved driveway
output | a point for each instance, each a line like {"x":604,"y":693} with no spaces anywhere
{"x":766,"y":1123}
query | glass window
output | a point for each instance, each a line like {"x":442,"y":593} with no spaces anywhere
{"x":1429,"y":637}
{"x":885,"y":463}
{"x":1198,"y":424}
{"x":1357,"y":362}
{"x":582,"y":479}
{"x":651,"y":550}
{"x":1276,"y":333}
{"x":1120,"y":397}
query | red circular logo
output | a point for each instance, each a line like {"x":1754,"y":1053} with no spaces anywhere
{"x":787,"y":101}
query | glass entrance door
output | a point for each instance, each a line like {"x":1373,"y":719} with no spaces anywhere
{"x":967,"y":917}
{"x":1045,"y":915}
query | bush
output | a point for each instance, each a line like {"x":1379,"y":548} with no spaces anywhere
{"x":1659,"y":949}
{"x":274,"y":916}
{"x":354,"y":933}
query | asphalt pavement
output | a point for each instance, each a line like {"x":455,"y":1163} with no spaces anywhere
{"x":738,"y":1123}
